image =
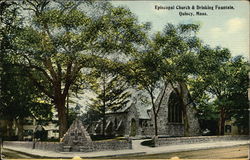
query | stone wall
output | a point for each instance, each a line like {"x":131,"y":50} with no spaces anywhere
{"x":199,"y":139}
{"x":88,"y":147}
{"x":100,"y":146}
{"x":132,"y":114}
{"x":24,"y":144}
{"x":112,"y":145}
{"x":51,"y":146}
{"x":168,"y":128}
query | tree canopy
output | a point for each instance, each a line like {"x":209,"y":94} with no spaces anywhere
{"x":62,"y":38}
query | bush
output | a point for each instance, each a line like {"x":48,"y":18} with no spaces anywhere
{"x":149,"y":143}
{"x":100,"y":137}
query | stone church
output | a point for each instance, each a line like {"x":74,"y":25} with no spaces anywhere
{"x":136,"y":119}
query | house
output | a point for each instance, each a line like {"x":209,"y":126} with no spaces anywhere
{"x":29,"y":127}
{"x":136,"y":119}
{"x":233,"y":129}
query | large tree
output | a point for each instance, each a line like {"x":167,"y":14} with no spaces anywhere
{"x":239,"y":102}
{"x":224,"y":80}
{"x":62,"y":38}
{"x":179,"y":46}
{"x":168,"y":58}
{"x":111,"y":94}
{"x":18,"y":97}
{"x":145,"y":73}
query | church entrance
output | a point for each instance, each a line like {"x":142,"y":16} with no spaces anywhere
{"x":133,"y":128}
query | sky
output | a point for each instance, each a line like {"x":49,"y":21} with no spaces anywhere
{"x":227,"y":28}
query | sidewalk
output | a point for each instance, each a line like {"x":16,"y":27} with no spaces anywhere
{"x":137,"y":150}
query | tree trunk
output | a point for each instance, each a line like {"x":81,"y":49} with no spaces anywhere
{"x":104,"y":106}
{"x":222,"y":121}
{"x":62,"y":117}
{"x":20,"y":129}
{"x":9,"y":128}
{"x":185,"y":117}
{"x":154,"y":112}
{"x":156,"y":125}
{"x":103,"y":125}
{"x":181,"y":94}
{"x":67,"y":110}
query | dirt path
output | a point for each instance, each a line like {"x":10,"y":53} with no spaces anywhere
{"x":145,"y":151}
{"x":218,"y":153}
{"x":13,"y":154}
{"x":136,"y":145}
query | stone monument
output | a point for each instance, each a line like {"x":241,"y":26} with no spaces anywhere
{"x":77,"y":138}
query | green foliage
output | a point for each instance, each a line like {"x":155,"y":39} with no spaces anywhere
{"x":91,"y":116}
{"x":178,"y":46}
{"x":238,"y":95}
{"x":73,"y":114}
{"x":111,"y":91}
{"x":169,"y":57}
{"x":9,"y":24}
{"x":60,"y":39}
{"x":224,"y":81}
{"x":20,"y":96}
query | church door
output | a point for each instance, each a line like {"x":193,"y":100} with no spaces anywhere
{"x":133,"y":128}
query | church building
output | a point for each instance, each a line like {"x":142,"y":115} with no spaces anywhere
{"x":137,"y":118}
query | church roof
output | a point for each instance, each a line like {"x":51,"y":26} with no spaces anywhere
{"x":141,"y":101}
{"x":143,"y":112}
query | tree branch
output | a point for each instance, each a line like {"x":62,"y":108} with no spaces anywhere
{"x":37,"y":68}
{"x":40,"y":86}
{"x":164,"y":91}
{"x":47,"y":63}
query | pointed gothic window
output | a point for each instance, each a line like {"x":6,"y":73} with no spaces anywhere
{"x":174,"y":109}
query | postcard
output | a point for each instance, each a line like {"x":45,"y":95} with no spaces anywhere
{"x":124,"y":79}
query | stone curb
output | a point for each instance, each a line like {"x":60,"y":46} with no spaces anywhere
{"x":119,"y":155}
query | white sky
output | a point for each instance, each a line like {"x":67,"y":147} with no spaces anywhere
{"x":225,"y":28}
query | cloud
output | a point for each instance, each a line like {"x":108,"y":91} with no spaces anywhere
{"x":215,"y":32}
{"x":235,"y":25}
{"x":231,"y":27}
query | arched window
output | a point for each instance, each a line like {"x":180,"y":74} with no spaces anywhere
{"x":174,"y":109}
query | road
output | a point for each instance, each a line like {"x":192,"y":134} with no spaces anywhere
{"x":138,"y":149}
